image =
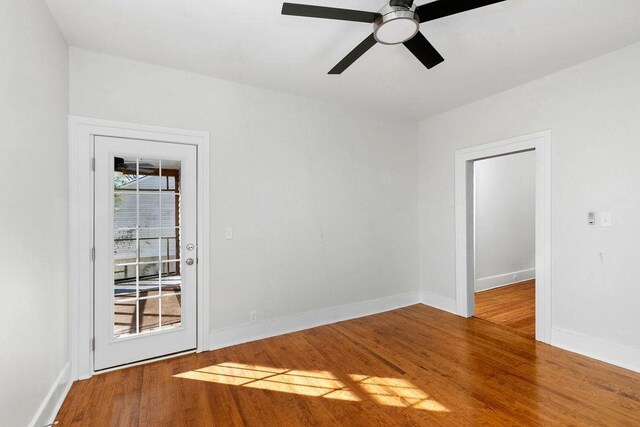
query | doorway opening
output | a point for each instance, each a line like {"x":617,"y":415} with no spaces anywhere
{"x":504,"y":227}
{"x":538,"y":146}
{"x":139,"y":208}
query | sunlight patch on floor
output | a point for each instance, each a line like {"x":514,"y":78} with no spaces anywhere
{"x":306,"y":383}
{"x":397,"y":392}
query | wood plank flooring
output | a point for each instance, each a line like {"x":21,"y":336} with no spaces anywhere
{"x":513,"y":306}
{"x":412,"y":366}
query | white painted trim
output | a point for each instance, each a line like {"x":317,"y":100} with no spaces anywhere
{"x":145,"y":362}
{"x":506,"y":279}
{"x":226,"y":337}
{"x":541,"y":143}
{"x":439,"y":302}
{"x":81,"y":132}
{"x":53,"y":401}
{"x":596,"y":348}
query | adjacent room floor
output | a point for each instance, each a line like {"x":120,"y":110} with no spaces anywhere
{"x":412,"y":366}
{"x":513,"y":306}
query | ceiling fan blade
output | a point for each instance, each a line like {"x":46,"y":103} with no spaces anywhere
{"x":441,"y":8}
{"x":328,"y":13}
{"x":354,"y":55}
{"x":424,"y":51}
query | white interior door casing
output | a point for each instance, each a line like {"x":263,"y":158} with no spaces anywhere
{"x":465,"y":255}
{"x":145,"y":290}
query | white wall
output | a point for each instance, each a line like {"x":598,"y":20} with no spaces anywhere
{"x":33,"y":211}
{"x":322,"y":199}
{"x":593,"y":110}
{"x":505,"y":202}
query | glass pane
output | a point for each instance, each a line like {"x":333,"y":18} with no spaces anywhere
{"x":150,"y":309}
{"x":170,"y":209}
{"x":170,"y":243}
{"x":125,"y":213}
{"x":171,"y":183}
{"x":149,"y":175}
{"x":169,"y":248}
{"x":170,"y":174}
{"x":119,"y":272}
{"x":150,"y":247}
{"x":124,"y":246}
{"x":171,"y":283}
{"x":149,"y":233}
{"x":170,"y":269}
{"x":125,"y":312}
{"x":149,"y":278}
{"x":171,"y":311}
{"x":149,"y":210}
{"x":149,"y":293}
{"x":125,"y":278}
{"x":125,"y":173}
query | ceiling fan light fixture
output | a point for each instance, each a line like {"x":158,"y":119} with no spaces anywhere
{"x":397,"y":22}
{"x":396,"y":25}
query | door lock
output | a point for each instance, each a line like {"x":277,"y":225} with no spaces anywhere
{"x":190,"y":247}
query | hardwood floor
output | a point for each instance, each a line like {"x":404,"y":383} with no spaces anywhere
{"x":513,"y":306}
{"x":412,"y":366}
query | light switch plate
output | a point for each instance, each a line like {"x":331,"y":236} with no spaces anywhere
{"x":605,"y":219}
{"x":228,"y":233}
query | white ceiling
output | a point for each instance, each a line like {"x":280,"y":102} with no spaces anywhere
{"x":486,"y":50}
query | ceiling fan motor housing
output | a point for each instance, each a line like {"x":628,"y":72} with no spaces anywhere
{"x":401,"y":3}
{"x":396,"y":24}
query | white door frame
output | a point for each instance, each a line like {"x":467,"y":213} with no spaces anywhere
{"x":81,"y":132}
{"x":465,"y":257}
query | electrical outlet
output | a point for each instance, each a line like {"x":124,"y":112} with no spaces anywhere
{"x":253,"y":316}
{"x":515,"y":276}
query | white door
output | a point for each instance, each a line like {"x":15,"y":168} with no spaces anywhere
{"x":145,"y":250}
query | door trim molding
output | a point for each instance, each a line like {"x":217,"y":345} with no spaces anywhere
{"x":81,"y":132}
{"x":541,"y":143}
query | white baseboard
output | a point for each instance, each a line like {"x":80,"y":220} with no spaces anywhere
{"x":486,"y":283}
{"x":439,"y":302}
{"x":596,"y":348}
{"x":53,"y":401}
{"x":226,"y":337}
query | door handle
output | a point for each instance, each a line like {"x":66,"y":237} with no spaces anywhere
{"x":189,"y":261}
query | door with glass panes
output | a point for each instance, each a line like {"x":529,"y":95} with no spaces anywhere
{"x":145,"y":250}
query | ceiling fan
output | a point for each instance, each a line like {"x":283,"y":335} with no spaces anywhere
{"x":397,"y":22}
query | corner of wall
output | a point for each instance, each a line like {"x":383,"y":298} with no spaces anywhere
{"x":53,"y":401}
{"x":439,"y":302}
